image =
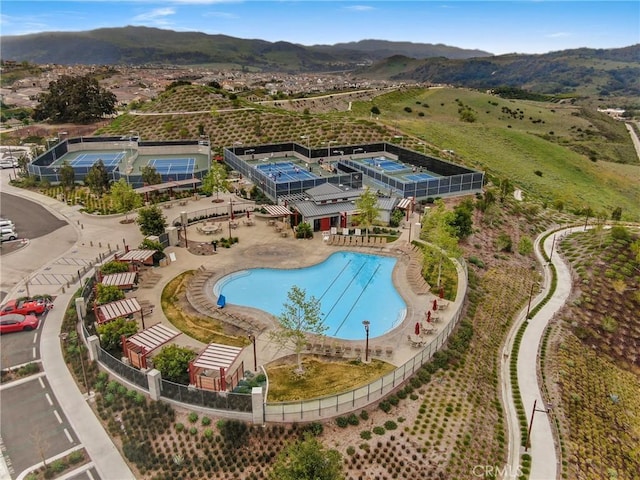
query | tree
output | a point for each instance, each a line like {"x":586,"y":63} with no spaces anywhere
{"x":304,"y":230}
{"x":367,"y":204}
{"x":375,"y":110}
{"x":97,"y":178}
{"x":300,"y":315}
{"x":616,"y":214}
{"x":462,"y":221}
{"x":151,"y":221}
{"x":148,"y":244}
{"x":437,"y":229}
{"x":150,"y":175}
{"x":67,"y":178}
{"x":111,"y":333}
{"x":307,"y":460}
{"x":214,"y":180}
{"x":108,"y":294}
{"x":114,"y":267}
{"x":123,"y":197}
{"x":75,"y":100}
{"x":173,"y":363}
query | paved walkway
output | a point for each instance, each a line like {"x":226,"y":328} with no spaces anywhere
{"x":545,"y":462}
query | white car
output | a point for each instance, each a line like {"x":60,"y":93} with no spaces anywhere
{"x":8,"y":163}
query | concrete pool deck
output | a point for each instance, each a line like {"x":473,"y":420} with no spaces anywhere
{"x":261,"y":245}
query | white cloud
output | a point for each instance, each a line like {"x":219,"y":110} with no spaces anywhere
{"x":155,"y":15}
{"x":359,"y":8}
{"x":558,"y":35}
{"x":220,"y":15}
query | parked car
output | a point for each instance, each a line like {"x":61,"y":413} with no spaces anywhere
{"x":6,"y":223}
{"x":26,"y":306}
{"x":16,"y":322}
{"x":7,"y":234}
{"x":7,"y":163}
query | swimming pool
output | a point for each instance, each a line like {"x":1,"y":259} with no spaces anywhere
{"x":351,"y":287}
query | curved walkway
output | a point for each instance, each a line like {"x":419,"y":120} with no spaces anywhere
{"x":545,"y":462}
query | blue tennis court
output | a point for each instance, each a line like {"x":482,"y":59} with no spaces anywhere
{"x":417,"y":177}
{"x":285,"y":171}
{"x":89,"y":159}
{"x":167,"y":166}
{"x":385,"y":164}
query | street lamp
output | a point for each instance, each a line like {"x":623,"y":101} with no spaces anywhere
{"x":230,"y":217}
{"x":308,"y":139}
{"x":252,"y":337}
{"x":533,"y":412}
{"x":55,"y":171}
{"x":329,"y":147}
{"x":366,"y":324}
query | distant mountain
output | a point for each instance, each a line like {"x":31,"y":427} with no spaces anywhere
{"x":601,"y":72}
{"x":143,"y":45}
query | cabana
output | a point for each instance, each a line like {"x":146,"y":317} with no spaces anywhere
{"x":147,"y":189}
{"x":209,"y":369}
{"x":143,"y":257}
{"x":118,"y":309}
{"x":137,"y":347}
{"x":124,"y":281}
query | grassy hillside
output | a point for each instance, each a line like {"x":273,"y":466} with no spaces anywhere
{"x":555,"y":152}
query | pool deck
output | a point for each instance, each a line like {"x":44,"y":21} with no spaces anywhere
{"x":261,"y":245}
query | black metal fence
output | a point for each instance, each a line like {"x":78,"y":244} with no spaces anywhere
{"x":239,"y":402}
{"x":122,"y":370}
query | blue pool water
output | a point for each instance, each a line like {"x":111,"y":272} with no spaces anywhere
{"x":351,"y":287}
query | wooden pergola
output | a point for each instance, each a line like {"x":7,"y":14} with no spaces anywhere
{"x":209,"y":369}
{"x":118,"y":309}
{"x":137,"y":347}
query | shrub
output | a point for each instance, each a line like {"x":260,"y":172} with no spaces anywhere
{"x":353,"y":419}
{"x":342,"y":422}
{"x":193,"y":417}
{"x":378,"y":430}
{"x":390,"y":425}
{"x":365,"y":435}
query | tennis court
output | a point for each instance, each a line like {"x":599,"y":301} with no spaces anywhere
{"x":285,"y":171}
{"x":167,"y":166}
{"x":418,"y":177}
{"x":385,"y":164}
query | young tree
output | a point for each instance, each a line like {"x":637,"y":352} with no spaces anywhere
{"x":67,"y":178}
{"x":300,"y":316}
{"x":111,"y":333}
{"x":307,"y":460}
{"x":123,"y":197}
{"x":214,"y":180}
{"x":151,"y":221}
{"x":108,"y":294}
{"x":75,"y":100}
{"x":173,"y":363}
{"x":437,"y":229}
{"x":97,"y":178}
{"x":462,"y":221}
{"x":150,"y":175}
{"x":367,"y":204}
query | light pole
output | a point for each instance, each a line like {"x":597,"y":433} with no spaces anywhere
{"x":230,"y":217}
{"x":252,"y":337}
{"x":205,"y":140}
{"x":366,"y":324}
{"x":533,"y":412}
{"x":55,"y":171}
{"x":329,"y":147}
{"x":308,"y":139}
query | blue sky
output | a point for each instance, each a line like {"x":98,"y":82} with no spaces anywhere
{"x":499,"y":27}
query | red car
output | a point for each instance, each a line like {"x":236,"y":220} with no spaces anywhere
{"x":26,"y":306}
{"x":15,"y":322}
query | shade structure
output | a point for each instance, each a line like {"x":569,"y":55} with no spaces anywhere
{"x":277,"y":210}
{"x":417,"y":329}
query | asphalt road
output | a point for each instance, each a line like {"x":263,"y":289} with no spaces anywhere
{"x":31,"y":220}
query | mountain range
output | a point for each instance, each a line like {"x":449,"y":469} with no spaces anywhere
{"x":602,"y":72}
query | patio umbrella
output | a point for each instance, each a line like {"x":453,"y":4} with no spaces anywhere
{"x":248,"y":214}
{"x":429,"y":316}
{"x":417,"y":330}
{"x":441,"y":292}
{"x":435,"y":304}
